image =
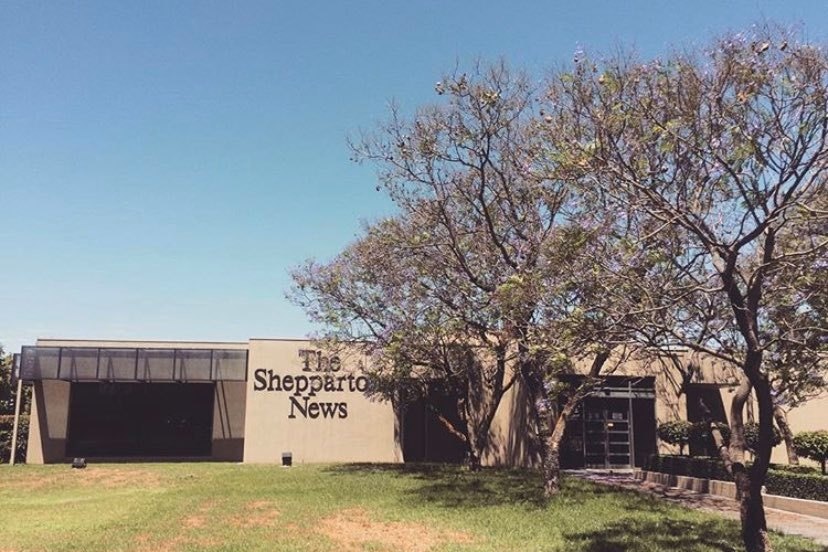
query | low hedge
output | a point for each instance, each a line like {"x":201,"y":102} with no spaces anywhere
{"x":797,"y":485}
{"x":807,"y":470}
{"x":703,"y":467}
{"x":792,"y":481}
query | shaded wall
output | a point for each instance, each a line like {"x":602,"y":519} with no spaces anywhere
{"x":48,"y":424}
{"x":228,"y":420}
{"x":510,"y":437}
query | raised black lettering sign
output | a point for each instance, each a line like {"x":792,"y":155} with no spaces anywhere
{"x":303,"y":388}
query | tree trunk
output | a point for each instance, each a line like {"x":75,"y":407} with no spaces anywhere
{"x":540,"y":408}
{"x":748,"y":482}
{"x":751,"y":511}
{"x":755,"y":530}
{"x":473,"y":461}
{"x":549,"y":434}
{"x":785,"y":429}
{"x":549,"y":454}
{"x":478,"y":409}
{"x":552,"y":472}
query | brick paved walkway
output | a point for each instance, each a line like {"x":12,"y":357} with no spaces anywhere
{"x":779,"y":520}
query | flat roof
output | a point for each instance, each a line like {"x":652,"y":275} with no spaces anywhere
{"x":115,"y":361}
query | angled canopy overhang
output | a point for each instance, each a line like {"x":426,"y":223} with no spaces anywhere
{"x":137,"y":364}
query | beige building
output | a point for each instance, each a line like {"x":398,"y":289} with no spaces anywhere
{"x":282,"y":400}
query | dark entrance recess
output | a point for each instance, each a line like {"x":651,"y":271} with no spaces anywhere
{"x":704,"y":401}
{"x":612,"y":428}
{"x":426,"y":438}
{"x":140,"y":419}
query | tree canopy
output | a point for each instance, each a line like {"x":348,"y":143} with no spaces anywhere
{"x":617,"y":205}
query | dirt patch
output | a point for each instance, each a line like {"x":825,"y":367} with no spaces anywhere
{"x":145,"y":544}
{"x":353,"y":529}
{"x":117,"y":477}
{"x":194,"y":522}
{"x":199,"y":518}
{"x":258,"y":513}
{"x":91,"y":476}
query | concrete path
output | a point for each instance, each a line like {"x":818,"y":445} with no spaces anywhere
{"x":779,"y":520}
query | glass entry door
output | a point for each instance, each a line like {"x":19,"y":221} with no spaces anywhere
{"x":606,"y":433}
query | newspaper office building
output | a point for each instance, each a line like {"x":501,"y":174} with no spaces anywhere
{"x":255,"y":401}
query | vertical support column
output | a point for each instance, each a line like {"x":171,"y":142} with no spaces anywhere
{"x":427,"y":420}
{"x":630,"y":422}
{"x":16,"y":419}
{"x":606,"y":436}
{"x":583,"y":429}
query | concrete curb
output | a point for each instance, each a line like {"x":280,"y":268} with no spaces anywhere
{"x":727,"y":489}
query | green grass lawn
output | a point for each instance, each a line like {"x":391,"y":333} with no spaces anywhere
{"x":337,"y":508}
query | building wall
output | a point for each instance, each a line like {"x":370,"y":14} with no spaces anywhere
{"x":258,"y":420}
{"x":228,"y":420}
{"x":510,"y":444}
{"x":811,"y":416}
{"x":339,"y":424}
{"x":48,"y":422}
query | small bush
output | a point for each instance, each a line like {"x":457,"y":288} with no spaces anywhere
{"x":699,"y":432}
{"x":6,"y":428}
{"x":676,"y":432}
{"x":813,"y":445}
{"x":752,"y":436}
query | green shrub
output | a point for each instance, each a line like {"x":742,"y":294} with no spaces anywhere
{"x":813,"y":445}
{"x":752,"y":436}
{"x":6,"y":427}
{"x":700,"y":432}
{"x":703,"y":467}
{"x":676,"y":432}
{"x":797,"y":485}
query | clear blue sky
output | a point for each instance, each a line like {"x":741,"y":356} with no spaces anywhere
{"x":163,"y":164}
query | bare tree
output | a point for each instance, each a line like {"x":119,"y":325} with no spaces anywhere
{"x":726,"y":151}
{"x":493,"y":241}
{"x":384,"y":296}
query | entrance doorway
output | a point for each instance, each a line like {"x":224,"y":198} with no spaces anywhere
{"x":427,"y":436}
{"x":614,"y":427}
{"x":140,"y":419}
{"x":607,"y":433}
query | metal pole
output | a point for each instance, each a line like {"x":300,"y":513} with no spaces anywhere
{"x":16,"y":420}
{"x":630,"y":422}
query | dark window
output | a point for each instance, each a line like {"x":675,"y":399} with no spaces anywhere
{"x":134,"y":419}
{"x":426,"y":434}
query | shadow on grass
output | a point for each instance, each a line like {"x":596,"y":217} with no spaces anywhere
{"x":627,"y":520}
{"x":452,"y":486}
{"x":629,"y":534}
{"x":632,"y":534}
